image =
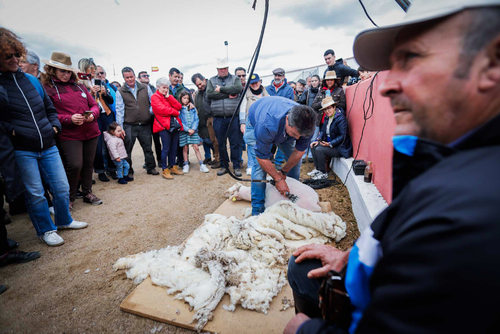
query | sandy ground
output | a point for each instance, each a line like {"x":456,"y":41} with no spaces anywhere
{"x":54,"y":294}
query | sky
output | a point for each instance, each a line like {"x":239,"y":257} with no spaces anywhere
{"x":190,"y":35}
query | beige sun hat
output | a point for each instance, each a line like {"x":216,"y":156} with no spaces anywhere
{"x":326,"y":102}
{"x":61,"y":60}
{"x":373,"y":47}
{"x":330,"y":75}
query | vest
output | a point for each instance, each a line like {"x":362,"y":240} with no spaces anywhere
{"x":223,"y":107}
{"x":136,"y":111}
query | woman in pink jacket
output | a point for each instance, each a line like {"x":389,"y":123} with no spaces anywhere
{"x":77,"y":112}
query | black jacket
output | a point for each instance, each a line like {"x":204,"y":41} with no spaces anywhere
{"x":438,"y":241}
{"x":14,"y":185}
{"x":341,"y":70}
{"x":27,"y":114}
{"x":307,"y":98}
{"x":339,"y":134}
{"x":201,"y":104}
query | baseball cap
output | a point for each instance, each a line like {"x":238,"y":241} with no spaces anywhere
{"x":255,"y":78}
{"x":373,"y":47}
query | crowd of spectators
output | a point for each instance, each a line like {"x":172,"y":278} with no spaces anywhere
{"x":63,"y":123}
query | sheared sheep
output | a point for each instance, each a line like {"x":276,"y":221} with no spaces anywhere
{"x":244,"y":258}
{"x":308,"y":198}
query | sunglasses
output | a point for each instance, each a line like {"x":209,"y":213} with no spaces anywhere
{"x":17,"y":55}
{"x":241,"y":75}
{"x":100,"y":73}
{"x":145,"y":75}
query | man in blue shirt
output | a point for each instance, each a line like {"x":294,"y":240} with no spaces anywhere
{"x":287,"y":124}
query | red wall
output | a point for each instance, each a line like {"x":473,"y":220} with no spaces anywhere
{"x":376,"y":145}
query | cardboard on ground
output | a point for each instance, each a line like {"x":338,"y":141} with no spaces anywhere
{"x":152,"y":301}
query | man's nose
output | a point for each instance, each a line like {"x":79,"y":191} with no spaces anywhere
{"x":391,"y":85}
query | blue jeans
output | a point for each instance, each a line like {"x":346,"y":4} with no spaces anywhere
{"x":46,"y":165}
{"x":249,"y":138}
{"x":122,"y":168}
{"x":279,"y":158}
{"x":308,"y":151}
{"x":221,"y":126}
{"x":207,"y":146}
{"x":170,"y":141}
{"x":258,"y":189}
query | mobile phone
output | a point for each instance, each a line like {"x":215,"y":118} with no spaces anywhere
{"x":84,"y":76}
{"x":87,"y":113}
{"x":98,"y":82}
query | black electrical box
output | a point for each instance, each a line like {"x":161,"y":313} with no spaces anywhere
{"x":359,"y":167}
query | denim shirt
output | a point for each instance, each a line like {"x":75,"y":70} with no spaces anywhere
{"x":268,"y":117}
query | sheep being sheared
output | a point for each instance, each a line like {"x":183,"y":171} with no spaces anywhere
{"x":243,"y":258}
{"x":308,"y":198}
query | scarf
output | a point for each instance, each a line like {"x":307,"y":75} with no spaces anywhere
{"x":256,"y":92}
{"x":278,"y":85}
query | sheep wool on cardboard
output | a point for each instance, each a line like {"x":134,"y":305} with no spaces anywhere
{"x":247,"y":259}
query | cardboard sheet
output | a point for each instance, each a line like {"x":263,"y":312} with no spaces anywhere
{"x":154,"y":302}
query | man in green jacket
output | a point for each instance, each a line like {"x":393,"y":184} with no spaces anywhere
{"x":223,"y":91}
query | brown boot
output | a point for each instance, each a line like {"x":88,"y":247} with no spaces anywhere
{"x":166,"y":174}
{"x":175,"y":170}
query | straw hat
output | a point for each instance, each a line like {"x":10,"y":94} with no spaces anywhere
{"x":373,"y":47}
{"x":60,"y":60}
{"x":327,"y":101}
{"x":330,"y":75}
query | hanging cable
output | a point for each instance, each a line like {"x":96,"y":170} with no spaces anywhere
{"x":251,"y":66}
{"x":367,"y":13}
{"x":367,"y":114}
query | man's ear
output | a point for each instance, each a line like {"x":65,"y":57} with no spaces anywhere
{"x":490,"y":71}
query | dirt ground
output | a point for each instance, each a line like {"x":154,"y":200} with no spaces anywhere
{"x":54,"y":294}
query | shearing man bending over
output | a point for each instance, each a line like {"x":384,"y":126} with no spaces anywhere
{"x":287,"y":124}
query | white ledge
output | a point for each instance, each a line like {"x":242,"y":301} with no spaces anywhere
{"x":367,"y":202}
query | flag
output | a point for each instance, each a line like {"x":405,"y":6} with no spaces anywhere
{"x":154,"y":69}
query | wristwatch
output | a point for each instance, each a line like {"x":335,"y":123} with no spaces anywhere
{"x":284,"y":173}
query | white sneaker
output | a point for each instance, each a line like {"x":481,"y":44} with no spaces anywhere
{"x":185,"y":169}
{"x":313,"y":172}
{"x":320,"y":176}
{"x":51,"y":238}
{"x":75,"y":225}
{"x":203,"y":168}
{"x":249,"y":171}
{"x":52,"y":211}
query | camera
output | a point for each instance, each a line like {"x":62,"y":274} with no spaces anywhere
{"x":99,"y":82}
{"x":84,"y":76}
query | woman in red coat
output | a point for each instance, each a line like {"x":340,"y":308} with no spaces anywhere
{"x":77,"y":112}
{"x":165,"y":107}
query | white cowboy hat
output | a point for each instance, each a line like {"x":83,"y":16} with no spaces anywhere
{"x":373,"y":47}
{"x":222,"y":63}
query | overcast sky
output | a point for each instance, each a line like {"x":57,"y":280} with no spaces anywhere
{"x":190,"y":34}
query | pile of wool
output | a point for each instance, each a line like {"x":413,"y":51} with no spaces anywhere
{"x":246,"y":259}
{"x":308,"y":198}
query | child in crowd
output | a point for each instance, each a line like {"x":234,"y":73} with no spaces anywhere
{"x":190,"y":121}
{"x":117,"y":151}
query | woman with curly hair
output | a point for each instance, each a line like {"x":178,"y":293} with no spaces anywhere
{"x":31,"y":123}
{"x":78,"y":113}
